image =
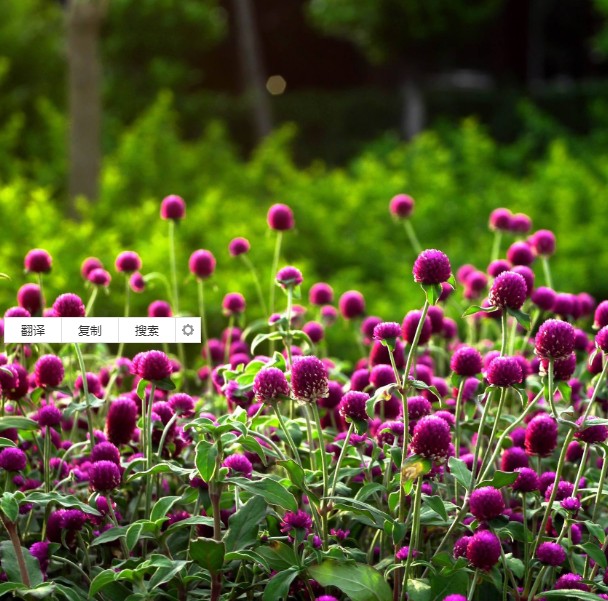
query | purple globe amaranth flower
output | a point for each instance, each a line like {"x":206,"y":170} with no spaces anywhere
{"x":17,"y":312}
{"x":528,"y":275}
{"x":500,"y":219}
{"x":543,"y":298}
{"x":289,"y":277}
{"x":591,"y":434}
{"x":99,"y":277}
{"x":387,"y":331}
{"x":48,"y":371}
{"x":401,"y":206}
{"x":527,"y":480}
{"x":93,"y":383}
{"x":432,"y":438}
{"x":12,"y":459}
{"x":182,"y":404}
{"x":509,"y":290}
{"x":321,"y":294}
{"x":543,"y":243}
{"x":541,"y":435}
{"x":455,"y":597}
{"x":173,"y":207}
{"x":563,"y":369}
{"x":570,"y":581}
{"x":270,"y":385}
{"x":600,"y":317}
{"x":40,"y":551}
{"x":128,"y":261}
{"x":38,"y":260}
{"x":513,"y":458}
{"x":418,"y":407}
{"x":587,"y":303}
{"x":30,"y":298}
{"x":352,"y":406}
{"x":410,"y":325}
{"x":504,"y":372}
{"x":520,"y":253}
{"x":483,"y":550}
{"x":486,"y":503}
{"x":202,"y":263}
{"x":436,"y":315}
{"x":121,"y":420}
{"x":495,"y":268}
{"x":309,"y":380}
{"x":551,"y":554}
{"x":233,"y":304}
{"x":154,"y":365}
{"x":238,"y":246}
{"x":326,"y":598}
{"x":403,"y":553}
{"x":563,"y":304}
{"x":314,"y":330}
{"x":351,"y":304}
{"x":367,"y":327}
{"x":298,"y":520}
{"x":88,"y":265}
{"x":466,"y":361}
{"x":104,"y":476}
{"x":432,"y":267}
{"x":382,"y":375}
{"x":137,"y":283}
{"x":159,"y":308}
{"x":105,"y":451}
{"x":520,"y":223}
{"x":48,"y":416}
{"x":68,"y":305}
{"x":601,"y":339}
{"x":280,"y":218}
{"x":571,"y":504}
{"x":554,"y":339}
{"x":238,"y":465}
{"x":460,"y":546}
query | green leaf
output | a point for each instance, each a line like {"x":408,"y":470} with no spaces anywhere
{"x":499,"y":479}
{"x":133,"y":534}
{"x":205,"y":457}
{"x":455,"y":582}
{"x":358,"y":581}
{"x":163,"y":467}
{"x":415,"y":466}
{"x":274,"y":492}
{"x":295,"y":472}
{"x":101,"y":580}
{"x":44,"y":498}
{"x":569,"y":594}
{"x":596,"y":530}
{"x":11,"y":566}
{"x":278,"y":555}
{"x":278,"y":586}
{"x":523,"y":319}
{"x":5,"y":442}
{"x":71,"y":593}
{"x":208,"y":553}
{"x":165,"y":574}
{"x":9,"y":506}
{"x":374,"y":516}
{"x":595,"y":553}
{"x":20,"y":423}
{"x":164,"y":384}
{"x":436,"y":504}
{"x":251,"y":556}
{"x":110,"y":535}
{"x":460,"y":471}
{"x":243,"y":525}
{"x":515,"y":565}
{"x":195,"y":520}
{"x":476,"y":309}
{"x":433,"y":292}
{"x":141,"y":389}
{"x":161,"y":507}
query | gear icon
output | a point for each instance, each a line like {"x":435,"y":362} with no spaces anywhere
{"x":187,"y":329}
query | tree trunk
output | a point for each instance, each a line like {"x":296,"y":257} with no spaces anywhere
{"x":252,"y":66}
{"x":83,"y":23}
{"x":413,"y":116}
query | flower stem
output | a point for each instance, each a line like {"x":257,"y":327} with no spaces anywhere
{"x":148,"y":447}
{"x":11,"y":528}
{"x":89,"y":309}
{"x":411,"y":234}
{"x":324,"y":468}
{"x":275,"y":266}
{"x":47,"y":459}
{"x":547,"y":272}
{"x":85,"y":392}
{"x":290,"y":442}
{"x":349,"y":432}
{"x":173,"y":266}
{"x":256,"y":281}
{"x":415,"y":534}
{"x":501,"y":402}
{"x":123,"y":542}
{"x":200,"y":284}
{"x":504,"y":322}
{"x":496,"y":245}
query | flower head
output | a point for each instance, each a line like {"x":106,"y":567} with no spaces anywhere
{"x":321,"y":294}
{"x":238,"y":246}
{"x":88,"y":265}
{"x":401,"y":206}
{"x":238,"y":465}
{"x":99,"y":277}
{"x":527,"y":480}
{"x":591,"y":434}
{"x":541,"y":435}
{"x":289,"y":277}
{"x":48,"y":371}
{"x":543,"y":243}
{"x":500,"y":219}
{"x":68,"y":305}
{"x":601,"y":339}
{"x":202,"y":263}
{"x":352,"y":406}
{"x":233,"y":304}
{"x":351,"y":304}
{"x":137,"y":283}
{"x":551,"y":554}
{"x":182,"y":404}
{"x":270,"y":385}
{"x":48,"y":415}
{"x":173,"y":207}
{"x":520,"y":253}
{"x":38,"y":260}
{"x":159,"y":308}
{"x":509,"y":290}
{"x":466,"y":361}
{"x":483,"y":550}
{"x":298,"y":520}
{"x":432,"y":438}
{"x":486,"y":503}
{"x":128,"y":262}
{"x":12,"y":459}
{"x":570,"y":581}
{"x":504,"y":372}
{"x":105,"y":451}
{"x":30,"y":298}
{"x":121,"y":420}
{"x":600,"y":317}
{"x":154,"y":365}
{"x":309,"y":381}
{"x":555,"y":339}
{"x":104,"y":476}
{"x":280,"y":217}
{"x":410,"y":325}
{"x":432,"y":267}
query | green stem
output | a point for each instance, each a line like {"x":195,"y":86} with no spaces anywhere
{"x":550,"y":384}
{"x":349,"y":432}
{"x":47,"y":459}
{"x":163,"y":437}
{"x":287,"y":339}
{"x":148,"y":447}
{"x":496,"y":245}
{"x":473,"y":585}
{"x":123,"y":542}
{"x":273,"y":273}
{"x":411,"y":234}
{"x":200,"y":284}
{"x":290,"y":442}
{"x":11,"y":528}
{"x":324,"y":468}
{"x":173,"y":266}
{"x":547,"y":272}
{"x":525,"y":525}
{"x":414,"y":536}
{"x":228,"y":338}
{"x":43,"y":301}
{"x":458,"y":414}
{"x":501,"y":402}
{"x":89,"y":309}
{"x":85,"y":392}
{"x":504,"y":323}
{"x":256,"y":281}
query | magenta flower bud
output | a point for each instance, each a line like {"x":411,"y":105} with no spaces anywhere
{"x":238,"y":465}
{"x":410,"y":325}
{"x":500,"y":219}
{"x":128,"y":262}
{"x":432,"y":438}
{"x":321,"y":294}
{"x":555,"y":339}
{"x":432,"y":267}
{"x":571,"y":504}
{"x":68,"y":305}
{"x":528,"y":275}
{"x":367,"y":327}
{"x":159,"y":308}
{"x":309,"y":381}
{"x":88,"y":265}
{"x":460,"y":546}
{"x":486,"y":503}
{"x":48,"y":371}
{"x":314,"y":330}
{"x":509,"y":290}
{"x":238,"y":246}
{"x":173,"y":207}
{"x":527,"y":480}
{"x":99,"y":277}
{"x":513,"y":458}
{"x":38,"y":261}
{"x":352,"y":406}
{"x":289,"y":277}
{"x":388,"y":331}
{"x":495,"y":268}
{"x":121,"y":420}
{"x":591,"y":434}
{"x":418,"y":407}
{"x":541,"y":435}
{"x":154,"y":365}
{"x":29,"y":297}
{"x":570,"y":581}
{"x":280,"y":218}
{"x":351,"y":304}
{"x":563,"y":369}
{"x":504,"y":372}
{"x":104,"y":476}
{"x":105,"y":451}
{"x":270,"y":385}
{"x":563,"y":304}
{"x":483,"y":550}
{"x":401,"y":206}
{"x":543,"y":243}
{"x":466,"y":361}
{"x":40,"y":551}
{"x":455,"y":597}
{"x":233,"y":304}
{"x":520,"y":223}
{"x":551,"y":554}
{"x":17,"y":312}
{"x":600,"y":318}
{"x":601,"y":339}
{"x":202,"y":264}
{"x":48,"y":415}
{"x":329,"y":315}
{"x":543,"y":298}
{"x":299,"y":520}
{"x":137,"y":282}
{"x":520,"y":253}
{"x":12,"y":459}
{"x":182,"y":404}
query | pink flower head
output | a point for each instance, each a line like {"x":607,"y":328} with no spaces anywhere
{"x":173,"y":207}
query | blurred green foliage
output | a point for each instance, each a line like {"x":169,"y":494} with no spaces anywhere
{"x":344,"y":234}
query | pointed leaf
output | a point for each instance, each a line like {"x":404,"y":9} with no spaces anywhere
{"x":274,"y":492}
{"x":208,"y":553}
{"x":278,"y":586}
{"x":523,"y":319}
{"x":460,"y":471}
{"x":243,"y":525}
{"x":357,"y":581}
{"x":206,"y":454}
